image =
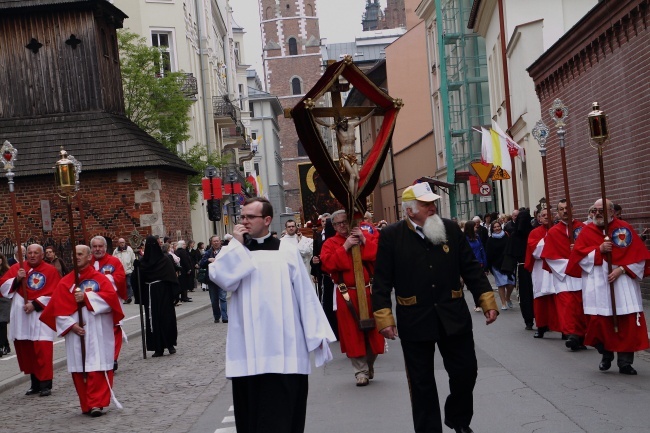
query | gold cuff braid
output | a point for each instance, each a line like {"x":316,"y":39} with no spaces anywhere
{"x":384,"y":318}
{"x":487,"y":302}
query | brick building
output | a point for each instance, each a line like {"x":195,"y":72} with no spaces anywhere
{"x":292,"y":65}
{"x":603,"y":58}
{"x":60,"y":85}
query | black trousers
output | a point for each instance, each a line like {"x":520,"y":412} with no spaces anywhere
{"x":270,"y":403}
{"x":525,"y":295}
{"x":460,"y":363}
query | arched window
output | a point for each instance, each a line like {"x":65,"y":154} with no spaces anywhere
{"x":296,"y":86}
{"x":269,"y":13}
{"x":293,"y":47}
{"x":309,"y":10}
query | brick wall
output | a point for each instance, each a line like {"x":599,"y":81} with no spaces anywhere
{"x":112,"y":209}
{"x":612,"y":68}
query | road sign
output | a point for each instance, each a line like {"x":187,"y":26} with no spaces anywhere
{"x":483,"y":199}
{"x":500,"y":174}
{"x":485,"y":189}
{"x":481,"y":170}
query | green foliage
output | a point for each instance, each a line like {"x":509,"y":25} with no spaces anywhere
{"x":153,"y":101}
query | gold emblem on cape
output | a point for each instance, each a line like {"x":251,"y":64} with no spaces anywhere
{"x":445,"y":248}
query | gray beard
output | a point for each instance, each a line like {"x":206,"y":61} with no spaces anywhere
{"x":434,"y":230}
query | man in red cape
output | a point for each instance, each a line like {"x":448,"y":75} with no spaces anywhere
{"x":113,"y":268}
{"x":629,"y":257}
{"x":101,"y":310}
{"x":33,"y":340}
{"x":568,"y":301}
{"x":543,"y":290}
{"x":362,"y":347}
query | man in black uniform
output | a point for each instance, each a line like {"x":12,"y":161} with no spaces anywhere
{"x":423,"y":257}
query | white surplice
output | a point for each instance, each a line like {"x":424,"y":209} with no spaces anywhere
{"x":542,"y":279}
{"x":99,"y":338}
{"x":275,"y":317}
{"x":23,"y":326}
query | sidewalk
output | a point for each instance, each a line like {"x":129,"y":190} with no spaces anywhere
{"x":10,"y":374}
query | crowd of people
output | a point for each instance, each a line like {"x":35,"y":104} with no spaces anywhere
{"x":287,"y":296}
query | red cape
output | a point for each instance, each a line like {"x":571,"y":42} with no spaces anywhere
{"x":628,"y":246}
{"x":336,"y":261}
{"x":533,"y":239}
{"x":64,"y":304}
{"x":557,"y":245}
{"x":110,"y":265}
{"x":40,"y":282}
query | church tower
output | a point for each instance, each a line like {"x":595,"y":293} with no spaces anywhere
{"x":292,"y":65}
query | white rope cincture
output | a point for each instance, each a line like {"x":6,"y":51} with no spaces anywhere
{"x":117,"y":403}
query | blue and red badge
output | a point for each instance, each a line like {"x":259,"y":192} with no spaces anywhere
{"x":89,"y":286}
{"x":36,"y":281}
{"x":367,"y":227}
{"x":107,"y":269}
{"x":622,"y":237}
{"x":576,"y":232}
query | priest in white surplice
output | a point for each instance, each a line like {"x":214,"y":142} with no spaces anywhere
{"x":275,"y":321}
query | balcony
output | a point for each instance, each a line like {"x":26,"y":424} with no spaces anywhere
{"x":189,"y":86}
{"x":234,"y":134}
{"x":226,"y":114}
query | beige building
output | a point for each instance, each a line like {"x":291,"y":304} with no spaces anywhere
{"x":200,"y":38}
{"x":528,"y":33}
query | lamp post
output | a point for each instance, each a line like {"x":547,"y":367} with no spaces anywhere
{"x":599,"y":133}
{"x":559,"y":113}
{"x":8,"y":158}
{"x":66,"y":175}
{"x":540,"y":133}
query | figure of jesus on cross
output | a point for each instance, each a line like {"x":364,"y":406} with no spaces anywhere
{"x":346,"y":139}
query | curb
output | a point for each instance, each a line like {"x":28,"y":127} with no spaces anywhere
{"x":58,"y":363}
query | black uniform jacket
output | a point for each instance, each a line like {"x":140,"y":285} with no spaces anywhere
{"x":425,"y":278}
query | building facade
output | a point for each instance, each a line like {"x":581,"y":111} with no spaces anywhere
{"x":292,"y":66}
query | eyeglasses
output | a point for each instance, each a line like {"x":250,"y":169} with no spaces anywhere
{"x":599,"y":210}
{"x":340,"y":223}
{"x":250,"y":217}
{"x":592,"y":210}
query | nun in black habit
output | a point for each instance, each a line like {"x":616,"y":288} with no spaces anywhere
{"x":158,"y":285}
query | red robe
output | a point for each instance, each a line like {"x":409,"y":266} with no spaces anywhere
{"x":109,"y":265}
{"x":628,"y":249}
{"x":543,"y":305}
{"x":338,"y":263}
{"x":568,"y":301}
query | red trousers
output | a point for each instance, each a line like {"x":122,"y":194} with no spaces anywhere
{"x":35,"y":357}
{"x":570,"y":313}
{"x":95,"y":391}
{"x":546,"y":313}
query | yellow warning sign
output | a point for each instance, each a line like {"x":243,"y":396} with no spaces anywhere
{"x":482,"y":170}
{"x":500,"y":174}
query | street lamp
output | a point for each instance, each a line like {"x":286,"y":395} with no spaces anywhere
{"x":559,"y":113}
{"x":599,"y":132}
{"x":66,"y":175}
{"x":540,"y":133}
{"x":8,"y":158}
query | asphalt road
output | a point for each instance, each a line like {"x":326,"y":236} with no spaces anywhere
{"x":524,"y":385}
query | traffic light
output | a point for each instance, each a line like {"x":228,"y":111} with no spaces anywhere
{"x":214,"y":210}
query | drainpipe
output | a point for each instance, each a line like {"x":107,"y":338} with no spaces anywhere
{"x":506,"y":84}
{"x":206,"y":114}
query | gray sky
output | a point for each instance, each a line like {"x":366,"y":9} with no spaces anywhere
{"x":339,"y":20}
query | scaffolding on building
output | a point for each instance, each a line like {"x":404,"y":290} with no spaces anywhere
{"x":467,"y":97}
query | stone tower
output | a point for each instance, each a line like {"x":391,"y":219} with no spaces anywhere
{"x":292,"y":65}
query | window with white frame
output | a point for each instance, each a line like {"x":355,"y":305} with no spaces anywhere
{"x":165,"y":41}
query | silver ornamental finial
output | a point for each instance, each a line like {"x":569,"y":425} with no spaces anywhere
{"x":540,"y":133}
{"x":559,"y":113}
{"x":8,"y":153}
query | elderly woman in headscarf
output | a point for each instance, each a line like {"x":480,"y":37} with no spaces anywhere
{"x":158,"y":284}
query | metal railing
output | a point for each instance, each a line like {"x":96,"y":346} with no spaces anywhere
{"x":223,"y":107}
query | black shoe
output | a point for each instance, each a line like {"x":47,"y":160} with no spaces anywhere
{"x":33,"y":391}
{"x":96,"y":411}
{"x":114,"y":365}
{"x":224,"y":321}
{"x":627,"y":369}
{"x":572,"y":343}
{"x":216,"y":320}
{"x":128,"y":300}
{"x":45,"y":392}
{"x":186,"y":300}
{"x":605,"y":364}
{"x":463,"y":430}
{"x":171,"y":350}
{"x":540,"y":332}
{"x":6,"y":350}
{"x":157,"y":354}
{"x":529,"y":326}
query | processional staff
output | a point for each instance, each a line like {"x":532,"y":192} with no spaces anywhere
{"x":8,"y":158}
{"x":559,"y":113}
{"x":66,"y":174}
{"x":540,"y":133}
{"x":599,"y":132}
